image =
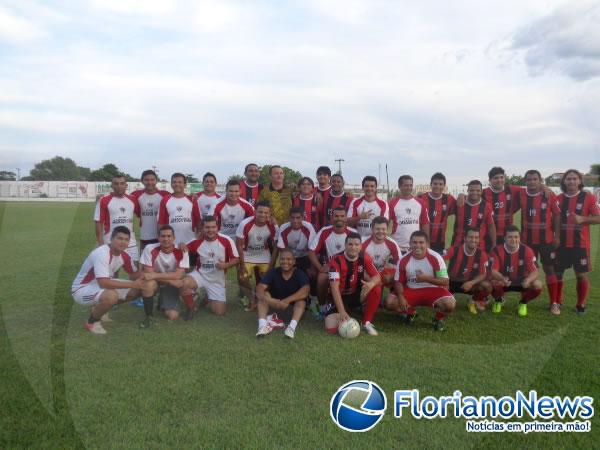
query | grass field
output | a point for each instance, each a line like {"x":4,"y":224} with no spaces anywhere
{"x":211,"y":384}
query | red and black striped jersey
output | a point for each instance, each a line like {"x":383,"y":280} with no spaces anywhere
{"x":250,"y":193}
{"x":478,"y":216}
{"x":438,"y":209}
{"x":350,"y":273}
{"x":465,"y":267}
{"x":505,"y":204}
{"x":582,"y":204}
{"x":330,"y":202}
{"x":516,"y":265}
{"x":310,"y":209}
{"x":536,"y":217}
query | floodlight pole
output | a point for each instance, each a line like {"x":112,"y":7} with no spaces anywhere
{"x":339,"y":161}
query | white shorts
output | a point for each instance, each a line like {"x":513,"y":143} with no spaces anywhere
{"x":214,"y":290}
{"x":89,"y":294}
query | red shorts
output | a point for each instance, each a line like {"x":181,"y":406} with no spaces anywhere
{"x":425,"y":296}
{"x":387,"y":271}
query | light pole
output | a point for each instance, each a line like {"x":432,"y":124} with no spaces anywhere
{"x":339,"y":161}
{"x":18,"y":173}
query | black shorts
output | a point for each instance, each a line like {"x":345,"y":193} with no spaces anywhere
{"x":545,"y":252}
{"x":514,"y":288}
{"x":577,"y":258}
{"x":456,"y":287}
{"x":303,"y":263}
{"x":351,"y":301}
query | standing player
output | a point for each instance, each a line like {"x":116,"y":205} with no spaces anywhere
{"x":230,"y":211}
{"x":421,"y":280}
{"x":179,"y":211}
{"x":117,"y":209}
{"x":95,"y":284}
{"x":255,"y":243}
{"x":467,"y":268}
{"x":214,"y":254}
{"x":540,"y":227}
{"x":250,"y":187}
{"x":354,"y":282}
{"x":363,"y":210}
{"x":278,"y":195}
{"x":164,"y":267}
{"x":439,"y":206}
{"x":383,"y":250}
{"x":309,"y":201}
{"x":474,"y":213}
{"x":334,"y":197}
{"x":504,"y":199}
{"x":296,"y":235}
{"x":323,"y":180}
{"x":514,"y":269}
{"x":208,"y":198}
{"x":148,"y":200}
{"x":578,"y":210}
{"x":407,"y":214}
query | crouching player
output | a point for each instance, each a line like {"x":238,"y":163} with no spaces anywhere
{"x":164,"y":267}
{"x":282,"y":288}
{"x":95,"y":286}
{"x":215,"y":253}
{"x":384,"y":251}
{"x":514,"y":269}
{"x":467,"y":268}
{"x":421,"y":280}
{"x":353,"y":278}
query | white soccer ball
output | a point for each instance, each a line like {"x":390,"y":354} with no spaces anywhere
{"x":349,"y":329}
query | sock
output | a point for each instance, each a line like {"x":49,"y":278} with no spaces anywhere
{"x":552,"y":283}
{"x":440,"y":315}
{"x":189,"y":301}
{"x":148,"y":305}
{"x":530,"y":294}
{"x":583,"y":287}
{"x":372,"y":304}
{"x":293,"y":324}
{"x":497,"y":293}
{"x":262,"y":322}
{"x":559,"y":290}
{"x":92,"y":319}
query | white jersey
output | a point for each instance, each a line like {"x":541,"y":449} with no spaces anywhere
{"x":383,"y":254}
{"x":149,"y":205}
{"x":162,"y":262}
{"x":222,"y":249}
{"x":407,"y":215}
{"x":101,"y":263}
{"x":229,"y":216}
{"x":327,"y":243}
{"x":375,"y":208}
{"x":113,"y":211}
{"x":432,"y":264}
{"x":182,"y":215}
{"x":296,"y":240}
{"x":206,"y":203}
{"x":257,"y":240}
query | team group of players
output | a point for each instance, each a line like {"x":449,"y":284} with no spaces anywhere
{"x":317,"y":247}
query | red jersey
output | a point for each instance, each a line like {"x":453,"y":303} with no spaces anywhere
{"x":536,"y":217}
{"x":250,"y":193}
{"x":438,"y":209}
{"x":478,"y":216}
{"x":350,"y":273}
{"x":505,"y":204}
{"x":465,"y":267}
{"x":330,"y":202}
{"x":310,"y":209}
{"x":515,"y":266}
{"x":582,"y":204}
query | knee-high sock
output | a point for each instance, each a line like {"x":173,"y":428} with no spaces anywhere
{"x":372,"y":303}
{"x":148,"y":305}
{"x":189,"y":300}
{"x":583,"y":287}
{"x":530,"y":294}
{"x":559,"y":290}
{"x":552,"y":283}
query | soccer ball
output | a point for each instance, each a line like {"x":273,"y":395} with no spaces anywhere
{"x":349,"y":329}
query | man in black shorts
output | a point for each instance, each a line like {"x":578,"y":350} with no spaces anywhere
{"x":279,"y":289}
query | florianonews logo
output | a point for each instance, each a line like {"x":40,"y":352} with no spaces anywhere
{"x":358,"y":406}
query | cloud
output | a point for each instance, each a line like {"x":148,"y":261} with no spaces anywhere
{"x":17,"y":30}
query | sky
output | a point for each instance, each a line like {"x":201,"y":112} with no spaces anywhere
{"x":200,"y":85}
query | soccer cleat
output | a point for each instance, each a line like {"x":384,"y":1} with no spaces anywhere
{"x":275,"y":322}
{"x":409,"y":318}
{"x":189,"y":315}
{"x":370,"y":329}
{"x":497,"y":308}
{"x":95,"y":328}
{"x":472,"y":308}
{"x":580,"y":309}
{"x":138,"y":303}
{"x":522,"y":309}
{"x":289,"y":332}
{"x":264,"y":330}
{"x":555,"y":309}
{"x":314,"y":309}
{"x":438,"y":325}
{"x":147,"y":322}
{"x":105,"y":318}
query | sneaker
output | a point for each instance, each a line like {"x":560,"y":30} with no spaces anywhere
{"x":522,"y":309}
{"x":370,"y":329}
{"x":105,"y":318}
{"x":438,"y":325}
{"x":555,"y":309}
{"x":147,"y":322}
{"x":138,"y":303}
{"x":472,"y":308}
{"x":289,"y":332}
{"x":497,"y":308}
{"x":189,"y":315}
{"x":275,"y":322}
{"x":409,"y":318}
{"x":244,"y":302}
{"x":314,"y":309}
{"x":95,"y":328}
{"x":263,"y":331}
{"x":580,"y":309}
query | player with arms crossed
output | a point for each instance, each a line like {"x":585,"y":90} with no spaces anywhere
{"x":439,"y":206}
{"x":332,"y":198}
{"x":578,"y":210}
{"x":353,"y":280}
{"x":148,"y":200}
{"x":514,"y":269}
{"x":96,"y":286}
{"x":421,"y":280}
{"x":363,"y":210}
{"x":407,"y":214}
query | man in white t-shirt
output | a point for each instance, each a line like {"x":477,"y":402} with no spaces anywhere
{"x":208,"y":198}
{"x":407,"y":214}
{"x":96,"y":286}
{"x":363,"y":210}
{"x":179,"y":211}
{"x":148,"y":200}
{"x":296,"y":235}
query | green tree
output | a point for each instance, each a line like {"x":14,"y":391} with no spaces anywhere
{"x":58,"y":169}
{"x":6,"y":175}
{"x":191,"y":178}
{"x":516,"y":180}
{"x":549,"y":181}
{"x":235,"y":177}
{"x":595,"y":169}
{"x":291,"y":176}
{"x":107,"y":172}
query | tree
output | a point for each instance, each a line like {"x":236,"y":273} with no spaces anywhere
{"x":58,"y":169}
{"x":595,"y":169}
{"x":549,"y":181}
{"x":107,"y":172}
{"x":191,"y":178}
{"x":291,"y":176}
{"x":6,"y":175}
{"x":235,"y":177}
{"x":516,"y":180}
